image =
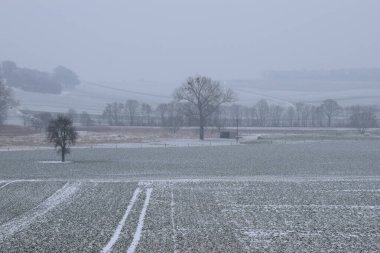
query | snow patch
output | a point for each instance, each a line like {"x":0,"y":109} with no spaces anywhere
{"x":1,"y":187}
{"x":121,"y":224}
{"x":140,"y":225}
{"x":376,"y":207}
{"x":54,"y":162}
{"x":174,"y":234}
{"x":24,"y":220}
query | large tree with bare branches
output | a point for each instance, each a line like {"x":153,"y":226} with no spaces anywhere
{"x":331,"y":108}
{"x":204,"y":96}
{"x":62,"y":133}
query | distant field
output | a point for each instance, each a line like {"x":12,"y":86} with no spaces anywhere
{"x":16,"y":137}
{"x":93,"y":97}
{"x":305,"y":197}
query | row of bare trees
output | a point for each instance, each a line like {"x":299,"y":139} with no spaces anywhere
{"x":172,"y":115}
{"x":263,"y":114}
{"x":327,"y":114}
{"x":132,"y":113}
{"x":175,"y":115}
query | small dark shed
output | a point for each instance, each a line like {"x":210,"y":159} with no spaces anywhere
{"x":228,"y":135}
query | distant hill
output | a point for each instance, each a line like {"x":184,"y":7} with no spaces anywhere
{"x":37,"y":81}
{"x":93,"y":97}
{"x":303,"y":85}
{"x":336,"y":75}
{"x":313,"y":92}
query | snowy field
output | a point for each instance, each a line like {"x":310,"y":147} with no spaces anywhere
{"x":311,"y":197}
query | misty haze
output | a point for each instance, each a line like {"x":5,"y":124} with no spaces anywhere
{"x":190,"y":126}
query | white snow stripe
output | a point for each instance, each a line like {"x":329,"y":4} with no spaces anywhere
{"x":7,"y":184}
{"x":307,"y":206}
{"x":24,"y":220}
{"x":140,"y":225}
{"x":174,"y":234}
{"x":121,"y":224}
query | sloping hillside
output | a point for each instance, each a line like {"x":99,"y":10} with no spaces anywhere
{"x":93,"y":97}
{"x":308,"y":91}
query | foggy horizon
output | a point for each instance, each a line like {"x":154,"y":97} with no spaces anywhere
{"x":190,"y":126}
{"x":169,"y":41}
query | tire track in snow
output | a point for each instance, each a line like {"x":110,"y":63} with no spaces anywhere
{"x":174,"y":235}
{"x":121,"y":224}
{"x":140,"y":225}
{"x":1,"y":187}
{"x":24,"y":220}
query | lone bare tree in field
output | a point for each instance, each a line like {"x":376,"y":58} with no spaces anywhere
{"x":62,"y":133}
{"x":204,"y":96}
{"x":331,"y":109}
{"x":363,"y":117}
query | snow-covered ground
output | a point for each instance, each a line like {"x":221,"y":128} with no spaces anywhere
{"x":122,"y":138}
{"x":170,"y":143}
{"x":158,"y":143}
{"x":213,"y":216}
{"x":312,"y":197}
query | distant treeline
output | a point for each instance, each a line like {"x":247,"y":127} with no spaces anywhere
{"x":369,"y":75}
{"x":173,"y":116}
{"x":262,"y":114}
{"x":37,"y":81}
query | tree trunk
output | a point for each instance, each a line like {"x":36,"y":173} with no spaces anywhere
{"x":237,"y":127}
{"x":63,"y":154}
{"x":201,"y":129}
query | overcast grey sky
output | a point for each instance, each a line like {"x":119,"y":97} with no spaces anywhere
{"x":168,"y":40}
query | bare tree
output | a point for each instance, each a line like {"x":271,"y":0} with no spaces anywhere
{"x":306,"y":114}
{"x":175,"y":116}
{"x":8,"y":68}
{"x":114,"y":113}
{"x":219,"y":118}
{"x":131,"y":107}
{"x":162,"y":110}
{"x":62,"y":134}
{"x":276,"y":114}
{"x":317,"y":116}
{"x":85,"y":119}
{"x":146,"y":110}
{"x":300,"y":107}
{"x":253,"y":115}
{"x":6,"y":101}
{"x":72,"y":114}
{"x":262,"y":108}
{"x":41,"y":120}
{"x":205,"y":96}
{"x":363,"y":117}
{"x":66,"y":77}
{"x":331,"y":109}
{"x":237,"y":116}
{"x":290,"y":116}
